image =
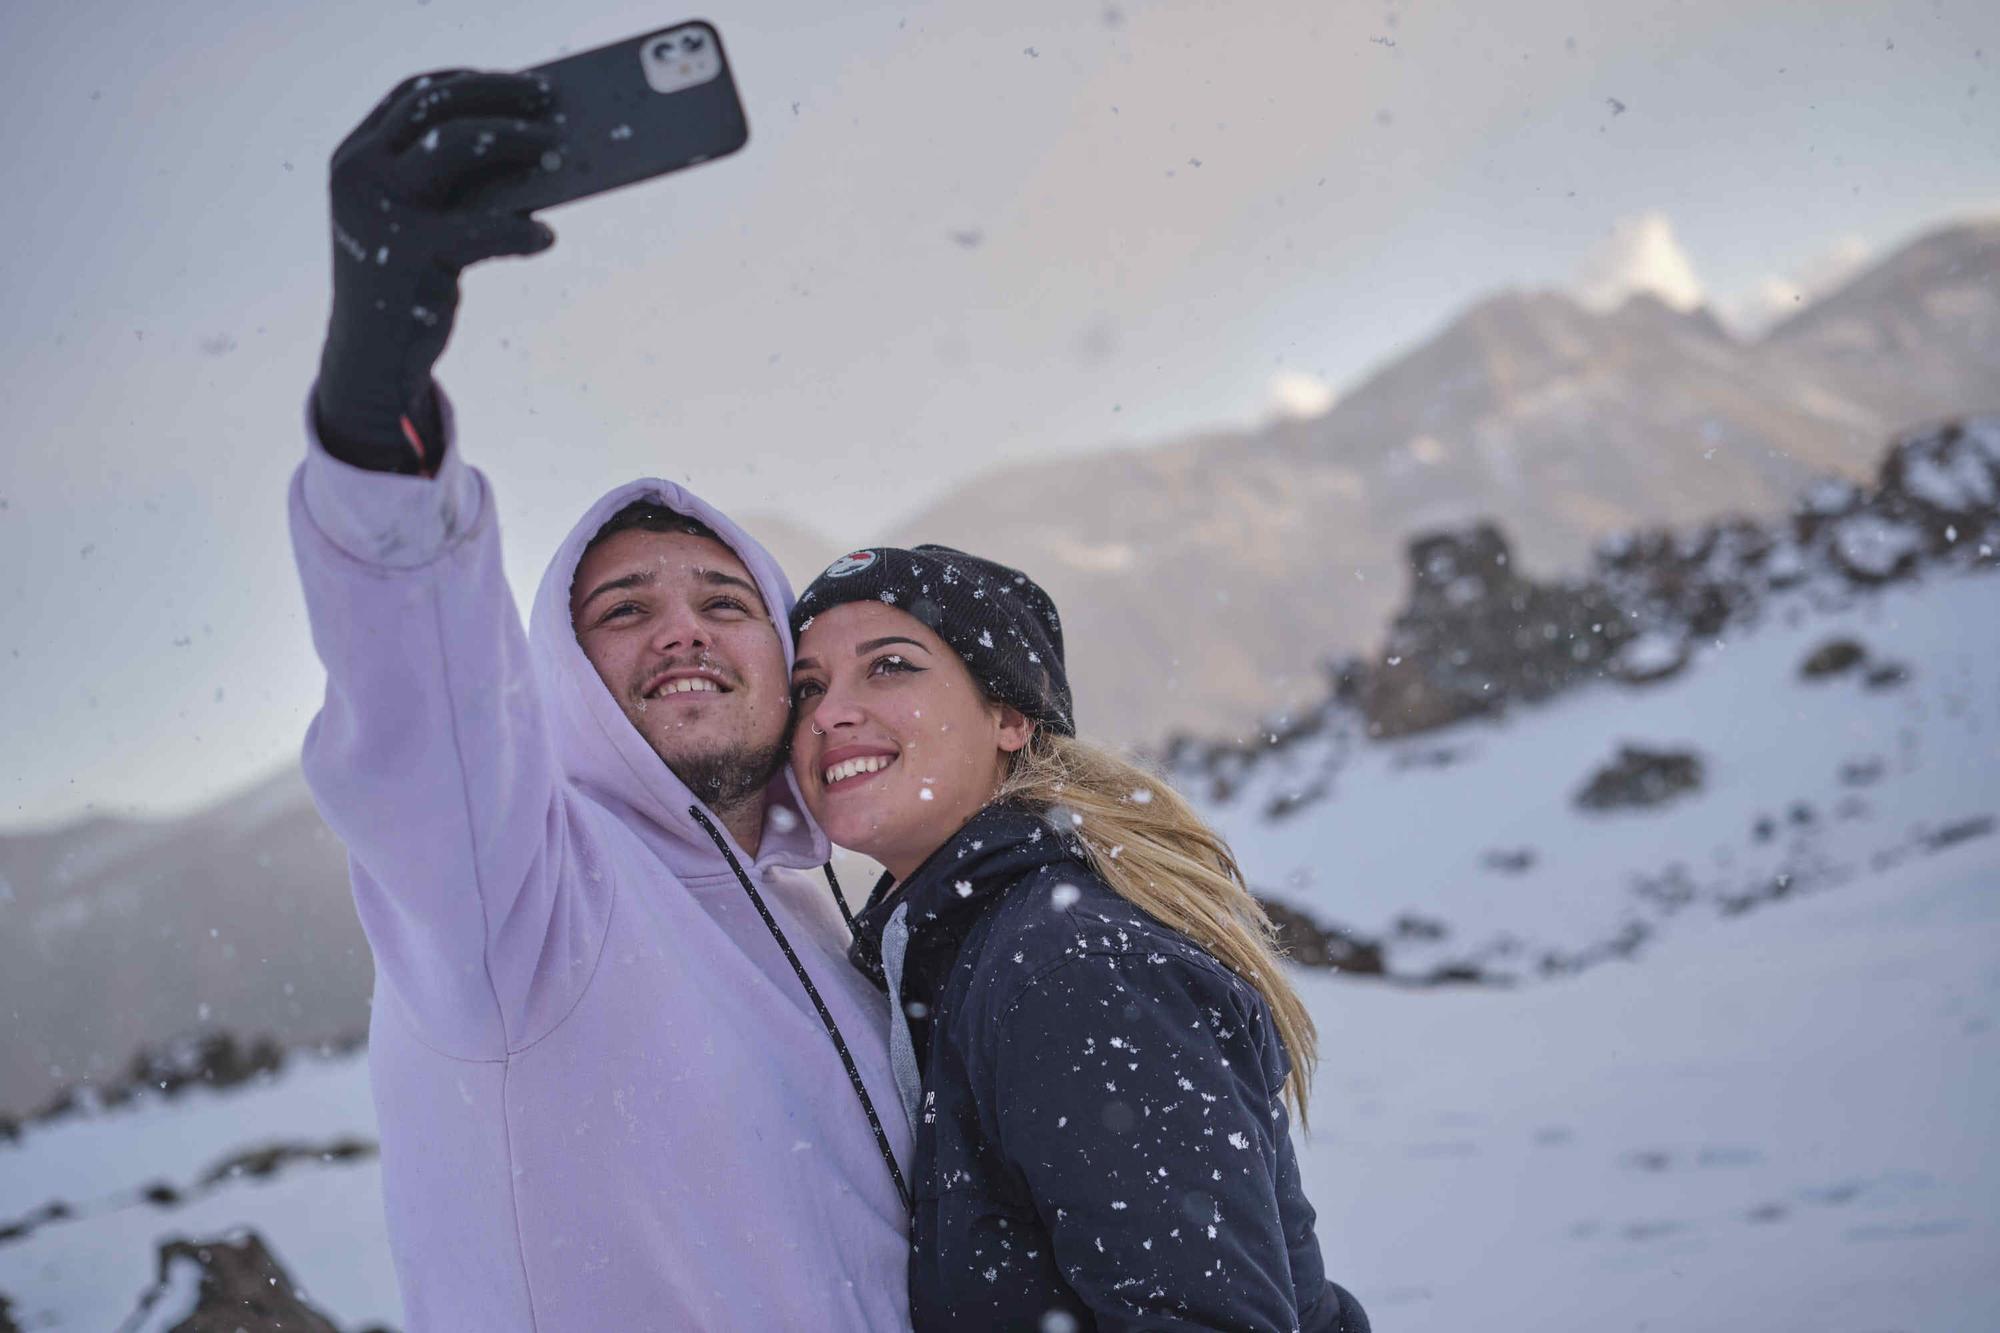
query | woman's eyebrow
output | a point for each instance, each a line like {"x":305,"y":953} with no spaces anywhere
{"x":812,"y":664}
{"x":873,"y":644}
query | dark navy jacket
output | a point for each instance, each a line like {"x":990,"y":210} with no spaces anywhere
{"x":1101,"y":1131}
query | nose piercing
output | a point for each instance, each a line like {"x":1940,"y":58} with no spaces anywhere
{"x":815,"y":729}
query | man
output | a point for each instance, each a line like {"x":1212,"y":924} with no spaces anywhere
{"x":610,"y":993}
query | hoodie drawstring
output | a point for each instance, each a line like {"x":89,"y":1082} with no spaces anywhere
{"x":812,"y":993}
{"x":839,"y":898}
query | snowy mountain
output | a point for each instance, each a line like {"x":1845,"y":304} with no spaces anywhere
{"x":1669,"y":942}
{"x":1831,"y":688}
{"x":1228,"y":562}
{"x":119,"y":934}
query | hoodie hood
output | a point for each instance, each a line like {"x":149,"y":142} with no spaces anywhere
{"x":600,"y":750}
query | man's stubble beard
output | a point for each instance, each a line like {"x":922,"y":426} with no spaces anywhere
{"x":726,"y":780}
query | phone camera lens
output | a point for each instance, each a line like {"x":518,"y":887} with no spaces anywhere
{"x":663,"y":51}
{"x":693,"y":41}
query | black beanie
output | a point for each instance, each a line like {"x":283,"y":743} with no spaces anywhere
{"x":998,"y":619}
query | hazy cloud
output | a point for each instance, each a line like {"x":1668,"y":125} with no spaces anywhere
{"x":1641,"y":254}
{"x":1300,"y":393}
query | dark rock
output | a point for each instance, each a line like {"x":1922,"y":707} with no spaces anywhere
{"x":1477,"y":637}
{"x":1964,"y":830}
{"x":1862,"y":772}
{"x":1831,"y":658}
{"x":1783,"y":884}
{"x":1307,"y":943}
{"x":1423,"y":928}
{"x":55,"y":1210}
{"x":1886,"y":676}
{"x":1285,"y":803}
{"x":209,"y":1059}
{"x":1624,"y":944}
{"x":1429,"y":756}
{"x":1939,"y":477}
{"x":7,"y":1324}
{"x":265,"y":1161}
{"x":240,"y":1288}
{"x":1640,"y":778}
{"x":1509,"y":861}
{"x":161,"y":1195}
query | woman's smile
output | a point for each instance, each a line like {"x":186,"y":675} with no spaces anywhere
{"x":850,"y":766}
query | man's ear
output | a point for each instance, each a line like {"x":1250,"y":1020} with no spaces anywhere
{"x":1015,"y":729}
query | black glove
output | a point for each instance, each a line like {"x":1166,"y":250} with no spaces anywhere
{"x":403,"y":190}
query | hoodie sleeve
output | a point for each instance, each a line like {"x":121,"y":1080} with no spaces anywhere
{"x":430,"y":759}
{"x":1135,"y":1095}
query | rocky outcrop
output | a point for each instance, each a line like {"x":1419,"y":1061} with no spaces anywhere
{"x":209,"y":1059}
{"x":1477,"y":636}
{"x":230,"y":1284}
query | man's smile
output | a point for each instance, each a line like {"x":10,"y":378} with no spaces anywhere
{"x":683,"y":680}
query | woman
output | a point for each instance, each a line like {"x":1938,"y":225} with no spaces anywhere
{"x":1091,"y":1031}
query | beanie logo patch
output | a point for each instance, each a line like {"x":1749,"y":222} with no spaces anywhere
{"x":851,"y":563}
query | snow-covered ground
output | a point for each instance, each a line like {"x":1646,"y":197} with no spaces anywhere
{"x":323,"y":1222}
{"x":1776,"y":1118}
{"x":1817,"y":781}
{"x":1784,"y":1121}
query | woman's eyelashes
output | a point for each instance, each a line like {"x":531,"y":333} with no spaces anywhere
{"x":889,"y":664}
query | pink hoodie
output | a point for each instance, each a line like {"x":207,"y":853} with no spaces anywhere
{"x":605,"y":1100}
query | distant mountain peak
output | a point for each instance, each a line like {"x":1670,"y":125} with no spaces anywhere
{"x":1562,"y":422}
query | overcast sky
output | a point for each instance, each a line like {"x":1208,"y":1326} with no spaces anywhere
{"x":961,"y":233}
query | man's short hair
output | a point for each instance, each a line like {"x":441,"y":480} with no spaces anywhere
{"x":650,"y":516}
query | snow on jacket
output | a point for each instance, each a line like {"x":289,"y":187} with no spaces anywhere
{"x":1100,"y":1131}
{"x":605,"y":1101}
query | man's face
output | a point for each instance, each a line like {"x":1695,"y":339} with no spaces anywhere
{"x":680,"y":635}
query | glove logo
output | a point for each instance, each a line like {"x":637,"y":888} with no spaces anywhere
{"x":851,"y":563}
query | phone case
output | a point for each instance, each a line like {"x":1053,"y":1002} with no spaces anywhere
{"x":630,"y":111}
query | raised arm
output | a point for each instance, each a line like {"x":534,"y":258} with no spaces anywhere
{"x":1139,"y":1098}
{"x":403,"y":230}
{"x":429,"y":758}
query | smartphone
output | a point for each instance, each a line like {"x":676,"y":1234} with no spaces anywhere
{"x":628,"y":112}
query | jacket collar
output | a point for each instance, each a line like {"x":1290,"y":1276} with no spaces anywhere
{"x":996,"y":848}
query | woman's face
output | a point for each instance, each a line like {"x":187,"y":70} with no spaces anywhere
{"x":894,"y":744}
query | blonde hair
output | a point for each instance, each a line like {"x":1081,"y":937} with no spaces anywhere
{"x":1149,"y":845}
